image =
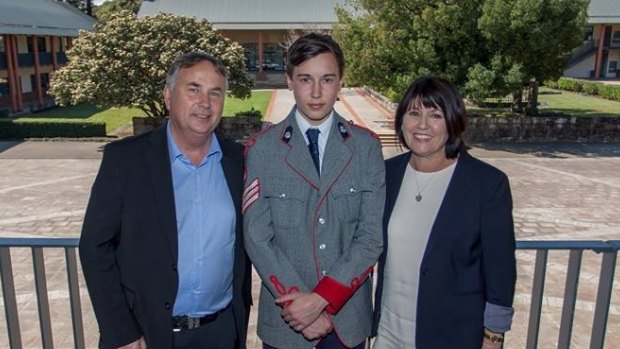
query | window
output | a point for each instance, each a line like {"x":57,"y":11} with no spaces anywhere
{"x":41,"y":47}
{"x":1,"y":44}
{"x":45,"y":81}
{"x":615,"y":38}
{"x":251,"y":56}
{"x":588,"y":34}
{"x":274,"y":57}
{"x":613,"y":66}
{"x":4,"y":87}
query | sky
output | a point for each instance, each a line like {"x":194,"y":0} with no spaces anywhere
{"x":99,"y":2}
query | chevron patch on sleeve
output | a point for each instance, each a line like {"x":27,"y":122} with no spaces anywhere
{"x":250,"y":195}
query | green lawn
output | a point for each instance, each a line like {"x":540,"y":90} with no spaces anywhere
{"x":557,"y":101}
{"x":576,"y":104}
{"x":113,"y":117}
{"x":116,"y":117}
{"x":259,"y":100}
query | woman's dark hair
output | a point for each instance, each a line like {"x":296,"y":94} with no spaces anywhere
{"x":434,"y":92}
{"x":310,"y":46}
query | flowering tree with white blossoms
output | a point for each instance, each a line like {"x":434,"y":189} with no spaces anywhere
{"x":123,"y":62}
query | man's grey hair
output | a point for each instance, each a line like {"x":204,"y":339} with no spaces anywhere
{"x":189,"y":60}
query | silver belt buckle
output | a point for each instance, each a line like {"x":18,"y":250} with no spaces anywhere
{"x":193,"y":322}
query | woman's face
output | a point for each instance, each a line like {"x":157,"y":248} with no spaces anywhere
{"x":425,"y":131}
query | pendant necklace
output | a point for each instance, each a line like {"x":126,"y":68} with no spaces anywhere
{"x":418,"y":197}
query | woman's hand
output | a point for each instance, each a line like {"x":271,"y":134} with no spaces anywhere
{"x":492,"y":340}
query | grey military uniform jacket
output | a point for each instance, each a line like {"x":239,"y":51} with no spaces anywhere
{"x":311,"y":233}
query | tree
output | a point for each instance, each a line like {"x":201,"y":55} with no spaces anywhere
{"x":489,"y":48}
{"x":388,"y":44}
{"x":123,"y":62}
{"x":105,"y":11}
{"x":537,"y":35}
{"x":85,"y":6}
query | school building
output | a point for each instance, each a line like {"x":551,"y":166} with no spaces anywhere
{"x":34,"y":35}
{"x":263,"y":27}
{"x":599,"y":56}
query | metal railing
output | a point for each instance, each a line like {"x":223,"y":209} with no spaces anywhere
{"x":8,"y":288}
{"x":608,"y":249}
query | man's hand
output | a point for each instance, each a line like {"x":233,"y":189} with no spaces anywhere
{"x":319,"y":328}
{"x":137,"y":344}
{"x":301,"y":309}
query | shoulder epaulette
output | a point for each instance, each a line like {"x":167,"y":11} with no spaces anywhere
{"x":371,"y":132}
{"x":252,"y":140}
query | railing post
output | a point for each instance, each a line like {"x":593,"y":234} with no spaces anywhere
{"x":74,"y":296}
{"x":538,"y":286}
{"x":10,"y":301}
{"x":603,"y":298}
{"x":570,"y":298}
{"x":38,"y":262}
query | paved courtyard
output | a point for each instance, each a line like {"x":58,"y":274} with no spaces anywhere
{"x":560,"y":192}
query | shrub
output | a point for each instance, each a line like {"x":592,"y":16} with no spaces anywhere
{"x":251,"y":112}
{"x":42,"y":129}
{"x":570,"y":85}
{"x":551,"y":84}
{"x":611,"y":92}
{"x":591,"y":88}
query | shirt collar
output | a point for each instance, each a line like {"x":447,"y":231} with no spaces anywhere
{"x":304,"y":125}
{"x":174,"y":152}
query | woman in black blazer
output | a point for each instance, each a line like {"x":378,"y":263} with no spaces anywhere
{"x":447,"y":274}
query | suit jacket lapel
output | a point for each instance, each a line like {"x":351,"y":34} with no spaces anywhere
{"x":158,"y":162}
{"x":337,"y":155}
{"x":457,"y":192}
{"x":393,"y":183}
{"x":298,"y":156}
{"x":233,"y":171}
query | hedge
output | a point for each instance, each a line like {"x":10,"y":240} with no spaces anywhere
{"x":570,"y":85}
{"x":41,"y":129}
{"x":611,"y":92}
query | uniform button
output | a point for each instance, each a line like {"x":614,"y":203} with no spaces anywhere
{"x":321,"y":220}
{"x":321,"y":246}
{"x":324,"y":272}
{"x":425,"y":272}
{"x":283,"y":195}
{"x":174,"y":267}
{"x":352,"y":190}
{"x":167,"y":305}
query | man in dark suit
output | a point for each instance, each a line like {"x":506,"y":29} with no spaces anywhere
{"x":161,"y":247}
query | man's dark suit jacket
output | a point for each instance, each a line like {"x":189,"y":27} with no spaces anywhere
{"x":469,"y":257}
{"x":129,"y":242}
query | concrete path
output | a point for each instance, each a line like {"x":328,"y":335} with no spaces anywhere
{"x":560,"y":191}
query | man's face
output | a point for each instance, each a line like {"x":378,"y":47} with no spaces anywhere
{"x":196,"y":100}
{"x":315,"y":84}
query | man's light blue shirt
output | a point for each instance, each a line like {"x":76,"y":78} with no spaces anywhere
{"x":206,"y":218}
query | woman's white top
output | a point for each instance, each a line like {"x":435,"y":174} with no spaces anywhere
{"x":408,"y":231}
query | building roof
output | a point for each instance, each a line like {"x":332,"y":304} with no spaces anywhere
{"x":42,"y":17}
{"x":251,"y":14}
{"x":604,"y":11}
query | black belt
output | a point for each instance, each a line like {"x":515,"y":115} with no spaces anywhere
{"x":189,"y":323}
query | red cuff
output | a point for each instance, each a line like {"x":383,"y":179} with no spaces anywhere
{"x":334,"y":292}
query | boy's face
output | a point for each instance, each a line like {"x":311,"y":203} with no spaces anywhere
{"x":315,"y":84}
